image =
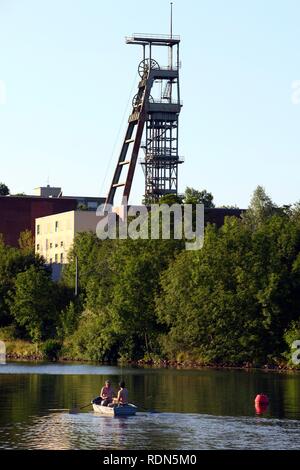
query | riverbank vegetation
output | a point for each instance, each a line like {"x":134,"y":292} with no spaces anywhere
{"x":234,"y":302}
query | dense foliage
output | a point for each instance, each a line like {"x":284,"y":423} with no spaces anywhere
{"x":235,"y":298}
{"x":4,"y":190}
{"x":235,"y":301}
{"x":30,"y":301}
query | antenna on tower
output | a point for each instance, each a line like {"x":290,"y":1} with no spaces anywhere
{"x":171,"y":36}
{"x":171,"y":20}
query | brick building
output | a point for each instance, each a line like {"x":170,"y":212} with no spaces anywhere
{"x":19,"y":213}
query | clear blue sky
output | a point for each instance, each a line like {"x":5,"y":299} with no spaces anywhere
{"x":69,"y":76}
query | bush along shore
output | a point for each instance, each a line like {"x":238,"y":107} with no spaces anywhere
{"x":27,"y":351}
{"x":233,"y":303}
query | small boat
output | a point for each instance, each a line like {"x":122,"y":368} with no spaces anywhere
{"x":116,"y":410}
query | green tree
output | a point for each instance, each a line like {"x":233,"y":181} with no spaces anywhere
{"x":137,"y":265}
{"x":26,"y":242}
{"x":192,"y":196}
{"x":82,"y":207}
{"x":291,"y":335}
{"x":241,"y":292}
{"x":295,"y":212}
{"x":118,"y":282}
{"x":69,"y":319}
{"x":12,"y":262}
{"x":261,"y":207}
{"x":170,"y":199}
{"x":94,"y":339}
{"x":228,"y":303}
{"x":4,"y":190}
{"x":85,"y":249}
{"x":33,"y":304}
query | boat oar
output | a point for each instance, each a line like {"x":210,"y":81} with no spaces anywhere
{"x":76,"y":410}
{"x":146,"y":410}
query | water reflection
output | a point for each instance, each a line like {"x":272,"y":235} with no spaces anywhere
{"x":163,"y":431}
{"x":198,"y":409}
{"x":261,"y":408}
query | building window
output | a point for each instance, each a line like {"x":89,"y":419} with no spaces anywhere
{"x":61,"y":243}
{"x":56,"y":258}
{"x":56,"y":226}
{"x":38,"y":229}
{"x":61,"y":258}
{"x":56,"y":245}
{"x":37,"y":247}
{"x":50,"y":245}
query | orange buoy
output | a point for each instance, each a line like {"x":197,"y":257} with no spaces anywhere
{"x":261,"y":399}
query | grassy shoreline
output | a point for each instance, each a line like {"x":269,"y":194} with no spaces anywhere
{"x":20,"y":350}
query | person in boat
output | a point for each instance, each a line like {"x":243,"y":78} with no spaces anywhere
{"x":107,"y":393}
{"x":122,"y":398}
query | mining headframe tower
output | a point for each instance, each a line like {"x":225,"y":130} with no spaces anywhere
{"x":155,"y":118}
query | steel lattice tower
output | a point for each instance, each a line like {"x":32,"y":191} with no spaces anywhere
{"x":157,"y":118}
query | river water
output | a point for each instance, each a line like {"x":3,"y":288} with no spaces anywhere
{"x":179,"y":409}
